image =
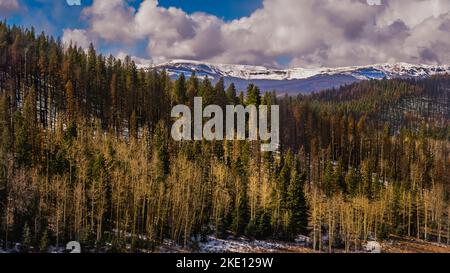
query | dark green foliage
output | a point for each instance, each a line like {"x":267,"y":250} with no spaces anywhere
{"x":240,"y":217}
{"x":221,"y":97}
{"x":180,"y":90}
{"x":329,"y":179}
{"x":26,"y":237}
{"x":71,"y":132}
{"x":44,"y":242}
{"x":297,"y":205}
{"x":23,"y":145}
{"x":253,"y":95}
{"x":264,"y":228}
{"x":231,"y":95}
{"x":352,"y":180}
{"x":207,"y":92}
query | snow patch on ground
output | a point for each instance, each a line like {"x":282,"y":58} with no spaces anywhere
{"x":244,"y":245}
{"x":248,"y":72}
{"x":373,"y":247}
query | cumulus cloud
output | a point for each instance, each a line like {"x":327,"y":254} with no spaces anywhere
{"x":8,"y":6}
{"x":111,"y":20}
{"x":308,"y":32}
{"x":78,"y":37}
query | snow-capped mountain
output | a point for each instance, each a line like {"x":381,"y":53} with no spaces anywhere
{"x":298,"y":80}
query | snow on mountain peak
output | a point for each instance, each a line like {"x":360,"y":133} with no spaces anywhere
{"x":297,"y":80}
{"x":249,"y":72}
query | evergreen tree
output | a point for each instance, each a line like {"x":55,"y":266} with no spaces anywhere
{"x":264,"y":229}
{"x":70,"y":98}
{"x":329,"y":179}
{"x":4,"y":126}
{"x":240,"y":217}
{"x":231,"y":95}
{"x":26,"y":237}
{"x":134,"y":125}
{"x":297,"y":205}
{"x":241,"y":98}
{"x":193,"y":87}
{"x":285,"y":176}
{"x":23,"y":146}
{"x":180,"y":90}
{"x":221,"y":96}
{"x":253,"y":95}
{"x":44,"y":243}
{"x":339,"y":177}
{"x":207,"y":92}
{"x":351,"y":180}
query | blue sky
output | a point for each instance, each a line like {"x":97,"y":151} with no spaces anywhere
{"x":47,"y":15}
{"x":226,"y":9}
{"x":52,"y":16}
{"x":274,"y":33}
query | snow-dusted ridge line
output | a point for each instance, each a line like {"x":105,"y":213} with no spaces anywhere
{"x":249,"y":72}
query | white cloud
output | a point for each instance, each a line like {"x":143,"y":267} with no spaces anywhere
{"x":78,"y":37}
{"x":111,"y":20}
{"x":310,"y":32}
{"x":7,"y":6}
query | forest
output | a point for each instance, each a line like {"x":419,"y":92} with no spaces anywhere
{"x":86,"y":155}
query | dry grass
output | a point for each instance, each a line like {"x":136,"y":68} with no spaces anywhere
{"x":413,"y":245}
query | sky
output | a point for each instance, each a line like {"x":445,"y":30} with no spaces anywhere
{"x":274,"y":33}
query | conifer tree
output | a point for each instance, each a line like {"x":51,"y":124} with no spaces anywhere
{"x":253,"y":95}
{"x":26,"y":237}
{"x":70,"y":98}
{"x":180,"y":90}
{"x":207,"y":92}
{"x":329,"y":179}
{"x":231,"y":94}
{"x":351,"y":181}
{"x":193,"y":86}
{"x":44,"y":243}
{"x":297,"y":205}
{"x":221,"y":97}
{"x":23,"y":145}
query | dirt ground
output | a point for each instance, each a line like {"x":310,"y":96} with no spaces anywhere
{"x":393,"y":245}
{"x":413,"y":245}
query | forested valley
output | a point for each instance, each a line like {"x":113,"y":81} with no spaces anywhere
{"x":86,"y":155}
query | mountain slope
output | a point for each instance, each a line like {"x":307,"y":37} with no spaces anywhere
{"x":298,"y":80}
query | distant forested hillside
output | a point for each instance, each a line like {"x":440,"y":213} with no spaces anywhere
{"x":86,"y":155}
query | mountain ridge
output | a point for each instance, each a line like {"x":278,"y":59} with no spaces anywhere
{"x":298,"y":80}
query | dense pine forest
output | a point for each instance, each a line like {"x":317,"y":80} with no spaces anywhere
{"x":86,"y":155}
